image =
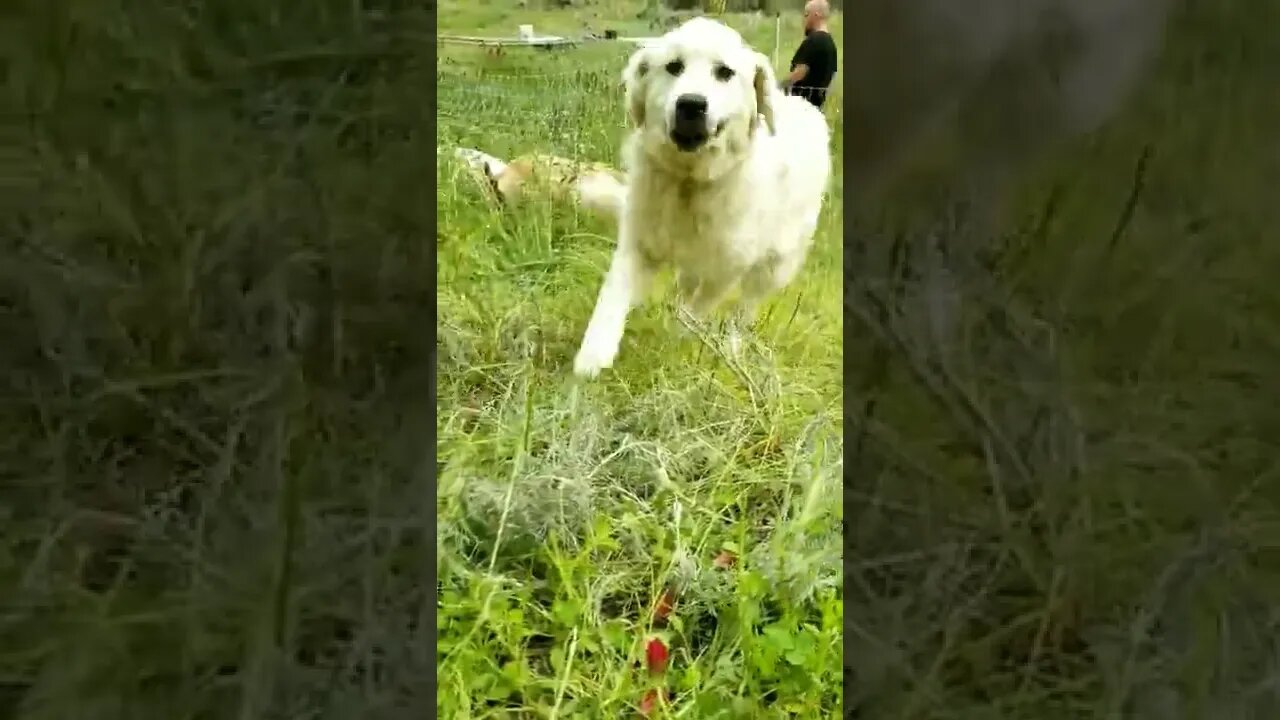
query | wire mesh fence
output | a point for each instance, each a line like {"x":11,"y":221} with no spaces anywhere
{"x":576,"y":114}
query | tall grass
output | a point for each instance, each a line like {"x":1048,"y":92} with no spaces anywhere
{"x":568,"y":511}
{"x":1061,"y":469}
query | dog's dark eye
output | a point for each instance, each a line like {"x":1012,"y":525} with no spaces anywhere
{"x":723,"y":73}
{"x":675,"y":67}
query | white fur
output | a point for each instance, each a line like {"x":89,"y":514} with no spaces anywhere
{"x":601,"y":192}
{"x":739,"y":211}
{"x":482,"y":161}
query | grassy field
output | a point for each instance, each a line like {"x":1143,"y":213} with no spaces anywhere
{"x":1071,"y":510}
{"x":215,"y":308}
{"x":217,"y":490}
{"x":568,"y":511}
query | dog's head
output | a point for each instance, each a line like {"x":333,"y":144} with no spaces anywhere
{"x":699,"y":88}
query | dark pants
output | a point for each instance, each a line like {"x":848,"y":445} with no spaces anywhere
{"x":815,"y":95}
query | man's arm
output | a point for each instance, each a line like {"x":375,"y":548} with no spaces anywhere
{"x":799,"y":65}
{"x":796,"y":75}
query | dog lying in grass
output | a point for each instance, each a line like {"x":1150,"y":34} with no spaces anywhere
{"x":594,"y":186}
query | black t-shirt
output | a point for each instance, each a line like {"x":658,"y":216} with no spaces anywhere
{"x":818,"y":52}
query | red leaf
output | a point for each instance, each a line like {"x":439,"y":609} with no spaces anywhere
{"x":725,"y":560}
{"x":656,"y":655}
{"x":666,"y":602}
{"x":649,"y":702}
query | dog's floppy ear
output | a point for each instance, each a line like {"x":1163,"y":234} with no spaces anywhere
{"x":495,"y":186}
{"x":765,"y":86}
{"x":634,"y":78}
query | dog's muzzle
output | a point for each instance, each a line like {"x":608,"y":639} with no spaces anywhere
{"x":689,"y":129}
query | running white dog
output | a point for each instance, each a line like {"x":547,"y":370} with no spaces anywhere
{"x":725,"y":181}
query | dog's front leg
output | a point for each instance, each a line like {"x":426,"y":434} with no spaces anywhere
{"x":624,"y":284}
{"x":757,"y":284}
{"x":701,"y":298}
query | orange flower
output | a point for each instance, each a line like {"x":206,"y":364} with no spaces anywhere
{"x":725,"y":560}
{"x":656,"y":656}
{"x":666,"y":602}
{"x":649,"y":702}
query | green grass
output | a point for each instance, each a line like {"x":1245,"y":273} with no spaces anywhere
{"x":217,"y":497}
{"x":215,"y":301}
{"x":1071,"y":511}
{"x":567,"y":509}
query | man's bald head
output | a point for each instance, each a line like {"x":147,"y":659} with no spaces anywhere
{"x":818,"y":7}
{"x":816,"y":13}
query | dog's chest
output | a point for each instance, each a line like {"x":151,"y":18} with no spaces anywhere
{"x":693,"y":224}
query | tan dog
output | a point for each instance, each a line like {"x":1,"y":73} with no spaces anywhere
{"x":595,"y":186}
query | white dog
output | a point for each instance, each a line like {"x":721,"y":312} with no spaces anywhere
{"x":725,"y":181}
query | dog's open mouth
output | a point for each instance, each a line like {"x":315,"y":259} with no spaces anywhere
{"x":690,"y":139}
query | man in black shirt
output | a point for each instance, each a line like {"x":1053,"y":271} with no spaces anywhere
{"x":814,"y":63}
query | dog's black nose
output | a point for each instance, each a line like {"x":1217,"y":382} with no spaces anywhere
{"x":691,"y":106}
{"x":689,"y":131}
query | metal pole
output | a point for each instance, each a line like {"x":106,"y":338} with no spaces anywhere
{"x":777,"y":36}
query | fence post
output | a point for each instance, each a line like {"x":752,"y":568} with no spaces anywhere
{"x":777,"y":36}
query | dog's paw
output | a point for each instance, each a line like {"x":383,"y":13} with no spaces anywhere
{"x":591,"y":359}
